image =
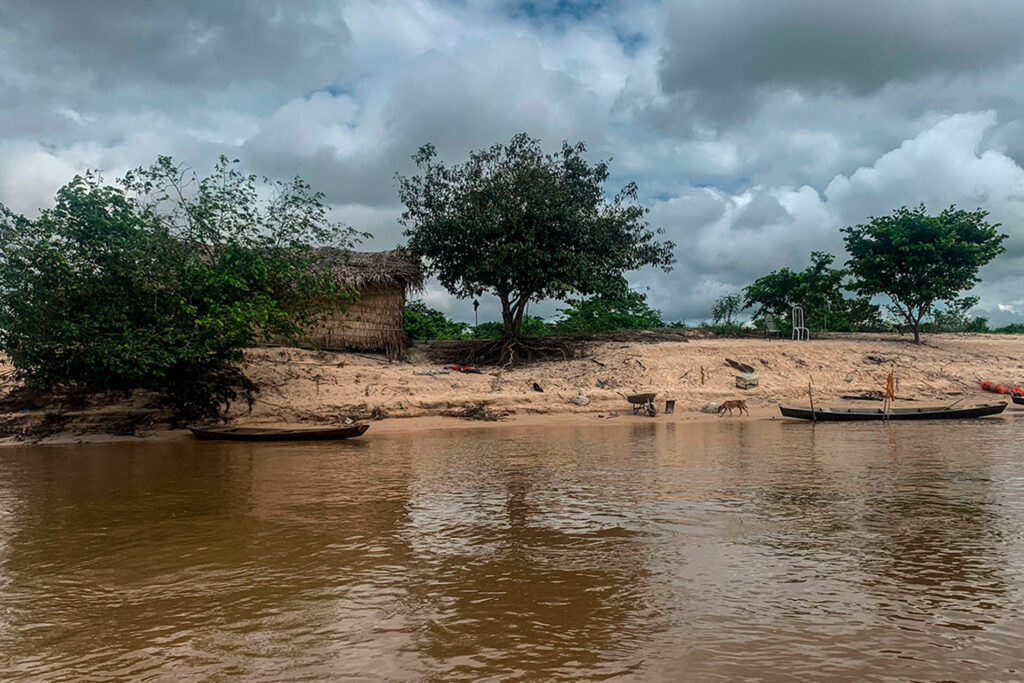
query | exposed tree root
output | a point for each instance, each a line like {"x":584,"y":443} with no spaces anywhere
{"x":502,"y":353}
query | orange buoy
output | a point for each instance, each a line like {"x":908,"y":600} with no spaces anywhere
{"x":1001,"y":389}
{"x":987,"y":385}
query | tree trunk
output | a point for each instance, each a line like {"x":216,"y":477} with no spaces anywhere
{"x":512,"y":316}
{"x":916,"y":326}
{"x":507,"y":318}
{"x":913,"y":322}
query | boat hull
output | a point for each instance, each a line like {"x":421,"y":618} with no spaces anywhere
{"x":866,"y":414}
{"x":1018,"y":399}
{"x":266,"y":434}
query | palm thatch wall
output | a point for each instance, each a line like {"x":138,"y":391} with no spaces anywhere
{"x":375,"y":321}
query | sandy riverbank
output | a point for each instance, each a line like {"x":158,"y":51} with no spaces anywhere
{"x":319,"y":388}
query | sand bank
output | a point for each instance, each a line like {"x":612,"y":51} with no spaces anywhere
{"x":312,"y":388}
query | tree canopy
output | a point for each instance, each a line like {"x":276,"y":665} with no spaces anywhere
{"x":819,"y":289}
{"x":160,"y":281}
{"x":917,"y":259}
{"x":525,"y":225}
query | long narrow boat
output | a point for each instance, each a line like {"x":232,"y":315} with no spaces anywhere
{"x":861,"y":414}
{"x":269,"y":434}
{"x":1018,"y":399}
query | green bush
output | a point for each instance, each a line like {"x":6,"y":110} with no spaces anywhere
{"x":626,"y":311}
{"x":423,"y":323}
{"x":161,"y":282}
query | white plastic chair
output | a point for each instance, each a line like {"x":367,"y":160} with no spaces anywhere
{"x":800,"y":332}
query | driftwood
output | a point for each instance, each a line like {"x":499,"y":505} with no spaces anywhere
{"x":742,"y":367}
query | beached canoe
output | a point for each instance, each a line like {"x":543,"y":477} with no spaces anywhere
{"x":1018,"y":399}
{"x":268,"y":434}
{"x":861,"y":414}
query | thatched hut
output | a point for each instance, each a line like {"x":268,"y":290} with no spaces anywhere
{"x":375,"y":320}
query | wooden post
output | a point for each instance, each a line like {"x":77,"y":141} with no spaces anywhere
{"x":887,"y":405}
{"x":702,"y":375}
{"x":810,"y":395}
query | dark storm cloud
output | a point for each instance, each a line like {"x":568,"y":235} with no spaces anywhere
{"x":725,"y":52}
{"x":191,"y":43}
{"x":761,"y":211}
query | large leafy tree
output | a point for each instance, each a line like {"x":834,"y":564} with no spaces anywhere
{"x":819,"y":289}
{"x":525,"y":225}
{"x":917,"y":259}
{"x":159,"y":282}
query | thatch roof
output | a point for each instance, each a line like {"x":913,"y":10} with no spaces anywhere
{"x":362,"y":269}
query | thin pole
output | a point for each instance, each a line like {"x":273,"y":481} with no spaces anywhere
{"x":810,"y":395}
{"x":889,"y":396}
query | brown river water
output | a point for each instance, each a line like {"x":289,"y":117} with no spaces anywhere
{"x":727,"y":550}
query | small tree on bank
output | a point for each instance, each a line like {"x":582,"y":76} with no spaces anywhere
{"x":725,"y":309}
{"x":525,"y":225}
{"x":916,"y":259}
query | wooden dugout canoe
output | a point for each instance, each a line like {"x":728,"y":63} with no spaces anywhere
{"x":270,"y":434}
{"x":862,"y":414}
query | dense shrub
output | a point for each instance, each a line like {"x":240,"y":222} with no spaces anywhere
{"x":423,"y":323}
{"x":627,"y":310}
{"x":160,"y":282}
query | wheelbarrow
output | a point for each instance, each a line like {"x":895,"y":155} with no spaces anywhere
{"x":642,"y":403}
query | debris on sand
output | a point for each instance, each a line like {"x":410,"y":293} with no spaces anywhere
{"x":742,"y":367}
{"x":581,"y":399}
{"x":478,"y":411}
{"x":865,"y":396}
{"x":747,"y":380}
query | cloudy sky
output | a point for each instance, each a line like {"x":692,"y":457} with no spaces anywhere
{"x":754,"y":128}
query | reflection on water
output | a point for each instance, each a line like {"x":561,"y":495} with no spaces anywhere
{"x":643,"y":551}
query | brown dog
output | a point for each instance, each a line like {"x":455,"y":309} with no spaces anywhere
{"x":729,"y":405}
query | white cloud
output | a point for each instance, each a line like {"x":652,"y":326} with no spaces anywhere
{"x":722,"y":248}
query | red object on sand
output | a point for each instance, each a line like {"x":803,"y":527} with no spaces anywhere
{"x":1017,"y":390}
{"x":466,"y":368}
{"x":987,"y":385}
{"x":1001,"y":389}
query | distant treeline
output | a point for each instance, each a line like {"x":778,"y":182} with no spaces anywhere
{"x":600,"y":314}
